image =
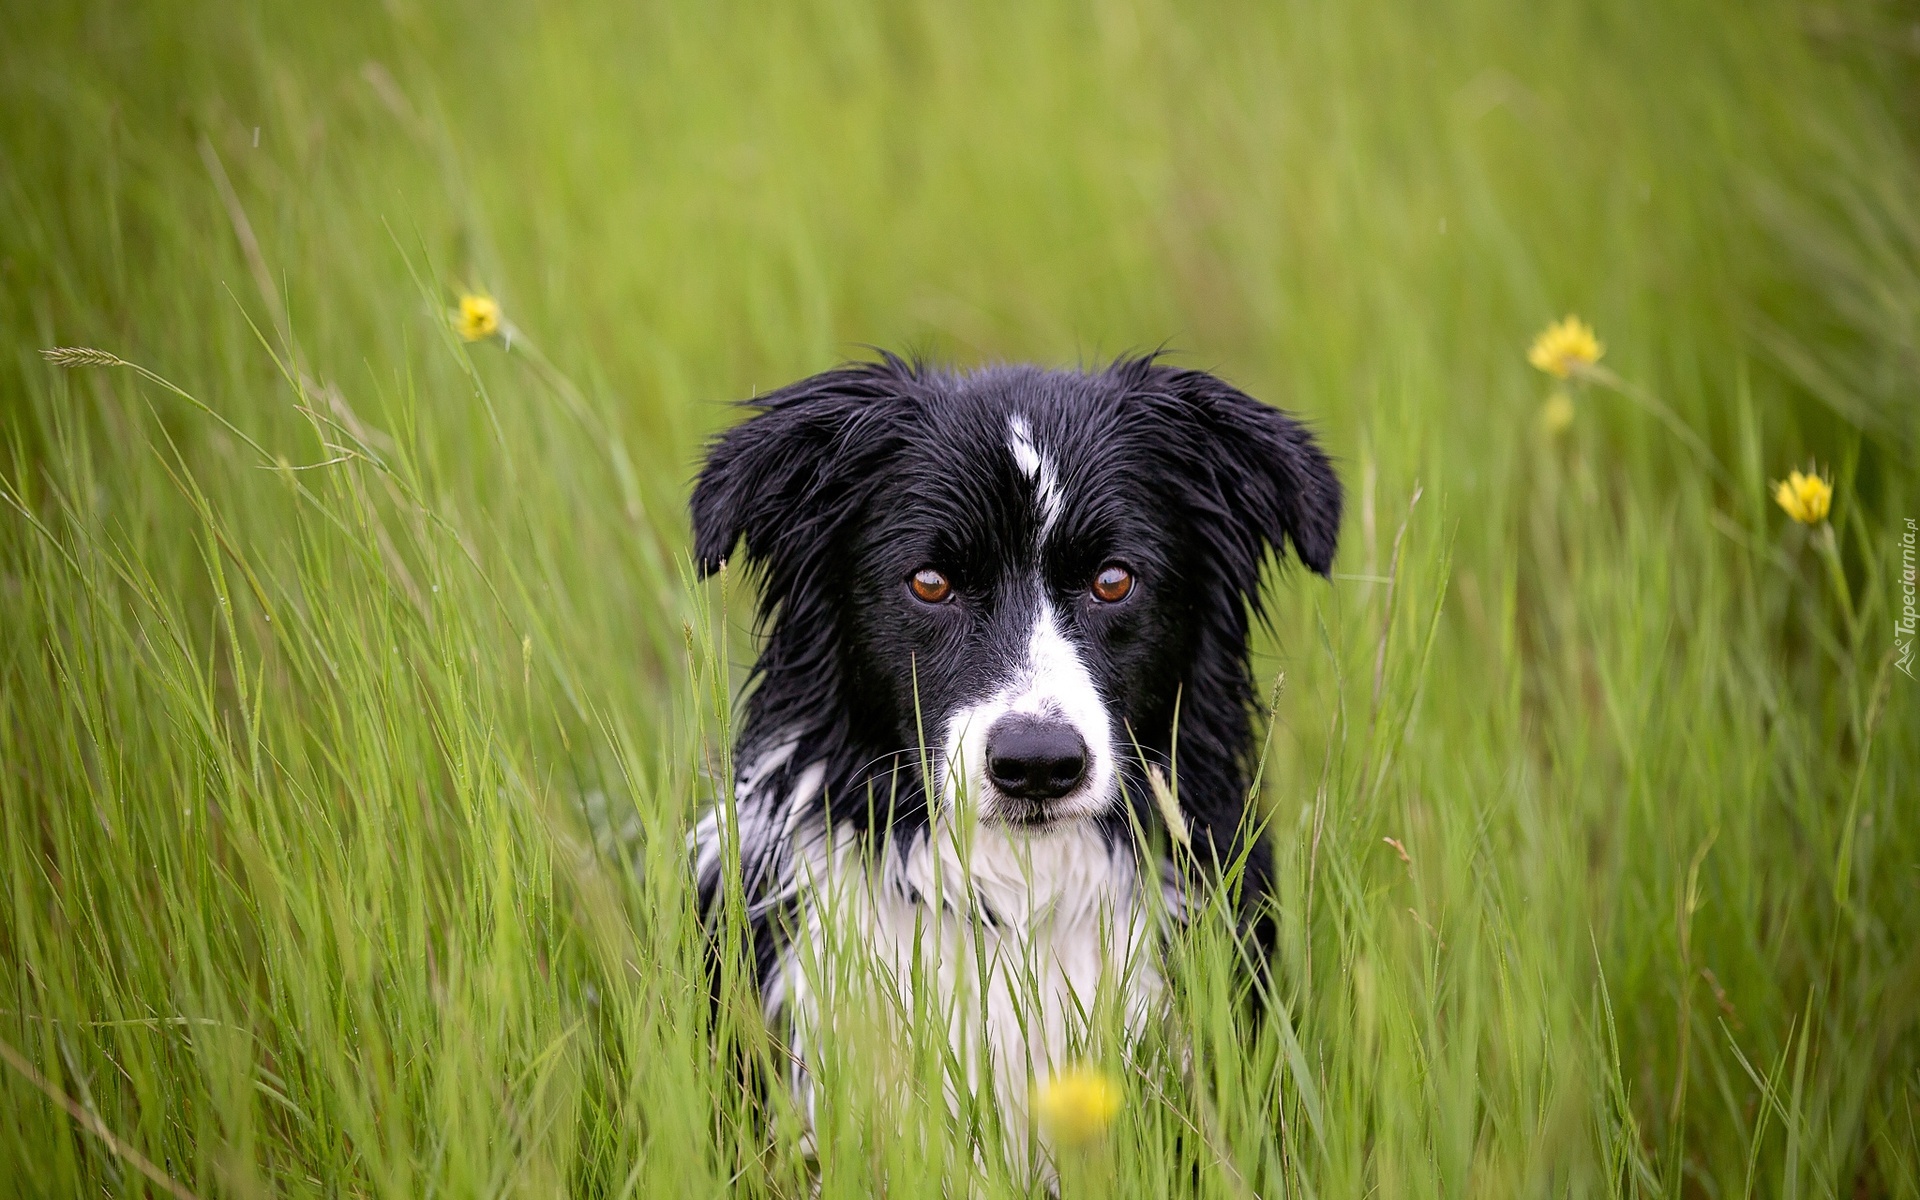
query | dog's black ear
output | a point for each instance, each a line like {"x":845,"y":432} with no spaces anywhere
{"x":784,"y":479}
{"x":1257,"y":475}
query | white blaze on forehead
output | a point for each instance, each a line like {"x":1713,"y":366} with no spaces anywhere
{"x":1037,"y":465}
{"x":1052,"y":681}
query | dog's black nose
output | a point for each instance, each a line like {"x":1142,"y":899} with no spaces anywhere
{"x":1035,"y":758}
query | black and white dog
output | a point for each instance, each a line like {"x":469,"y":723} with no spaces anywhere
{"x":987,"y":599}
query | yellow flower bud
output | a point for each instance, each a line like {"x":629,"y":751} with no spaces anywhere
{"x":1557,"y":413}
{"x":1564,"y":346}
{"x":478,"y":317}
{"x":1806,"y":498}
{"x":1076,"y":1105}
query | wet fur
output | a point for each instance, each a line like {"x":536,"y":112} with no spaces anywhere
{"x":1020,"y":483}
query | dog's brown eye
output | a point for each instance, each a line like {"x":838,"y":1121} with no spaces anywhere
{"x":1112,"y":584}
{"x":930,"y":585}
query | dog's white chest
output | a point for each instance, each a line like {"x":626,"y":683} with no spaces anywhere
{"x":1014,"y":942}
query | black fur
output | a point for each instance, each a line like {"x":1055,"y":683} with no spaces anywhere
{"x":842,"y":485}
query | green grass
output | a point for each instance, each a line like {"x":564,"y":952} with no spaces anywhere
{"x":339,"y":683}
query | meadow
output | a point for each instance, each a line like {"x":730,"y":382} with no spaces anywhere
{"x":355,"y":692}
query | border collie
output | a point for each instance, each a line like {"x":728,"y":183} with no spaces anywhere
{"x":990,"y":602}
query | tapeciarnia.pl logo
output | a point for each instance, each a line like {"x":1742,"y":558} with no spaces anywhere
{"x":1903,"y":625}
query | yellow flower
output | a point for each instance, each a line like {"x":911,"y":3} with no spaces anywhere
{"x":1806,"y":498}
{"x":1564,"y":346}
{"x":1077,"y":1105}
{"x":1557,"y":413}
{"x":478,"y":318}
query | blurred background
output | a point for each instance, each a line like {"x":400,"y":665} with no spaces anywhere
{"x":397,"y":606}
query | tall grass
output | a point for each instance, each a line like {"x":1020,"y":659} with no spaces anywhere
{"x":354,"y":696}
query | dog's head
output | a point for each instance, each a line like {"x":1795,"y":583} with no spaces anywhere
{"x":1022,"y":571}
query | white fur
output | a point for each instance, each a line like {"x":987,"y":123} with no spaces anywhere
{"x":1020,"y":935}
{"x":1052,"y":681}
{"x":709,"y":838}
{"x":1036,"y":464}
